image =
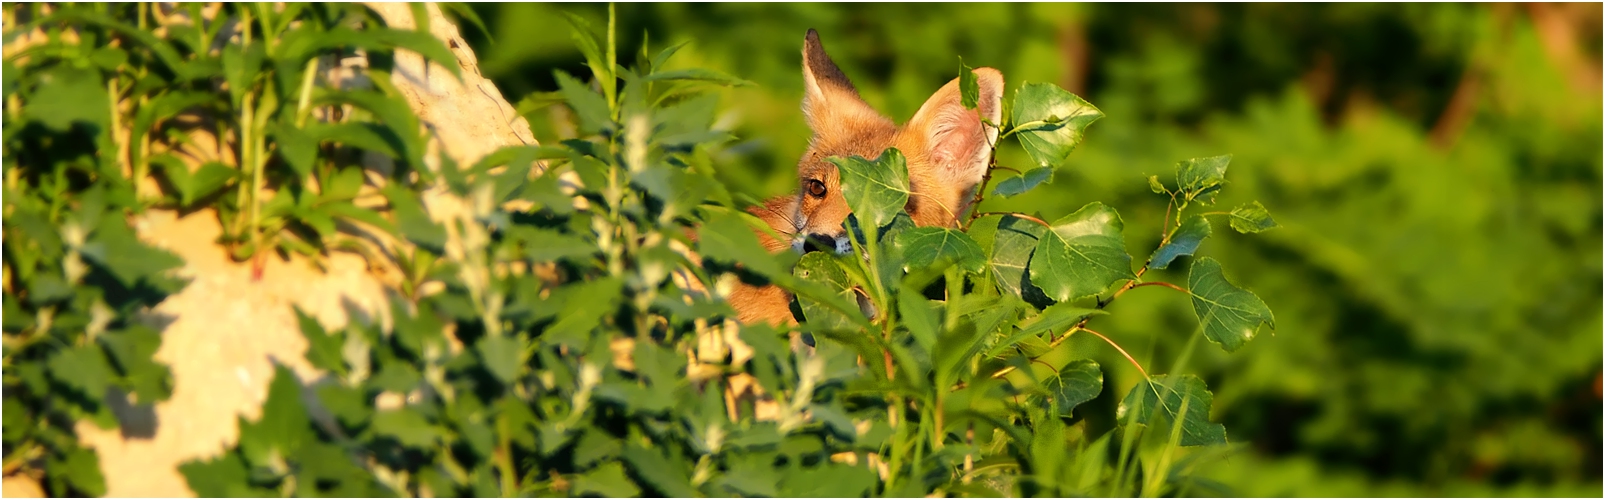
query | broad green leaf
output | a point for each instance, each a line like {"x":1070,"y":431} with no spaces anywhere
{"x":920,"y":315}
{"x":298,"y":148}
{"x":876,"y":190}
{"x":217,"y":477}
{"x":607,"y":480}
{"x":1051,"y":121}
{"x":590,"y":107}
{"x":1230,"y":315}
{"x":132,"y":350}
{"x":1024,"y":182}
{"x":407,"y":427}
{"x":751,"y":476}
{"x":1082,"y":255}
{"x":83,"y":368}
{"x":1252,"y":217}
{"x":79,"y":467}
{"x":546,"y":245}
{"x":1012,"y":246}
{"x":668,"y":477}
{"x":825,"y":269}
{"x":412,"y":222}
{"x":343,"y":185}
{"x":925,"y":247}
{"x":284,"y":422}
{"x":969,"y":88}
{"x":114,"y":246}
{"x":503,"y":356}
{"x":1077,"y":383}
{"x":725,"y":237}
{"x":68,"y":95}
{"x":697,"y":75}
{"x":586,"y":305}
{"x":1184,"y":241}
{"x":829,"y":480}
{"x":1163,"y":396}
{"x":1199,"y":178}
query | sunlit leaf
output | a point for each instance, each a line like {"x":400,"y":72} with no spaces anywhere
{"x":1051,"y":121}
{"x":928,"y":246}
{"x":1082,"y":254}
{"x":876,"y":190}
{"x":1024,"y":182}
{"x":1230,"y":315}
{"x":1252,"y":217}
{"x":1199,"y":178}
{"x":1189,"y":234}
{"x":1163,"y":396}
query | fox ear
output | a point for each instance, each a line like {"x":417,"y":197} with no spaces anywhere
{"x":828,"y":95}
{"x":957,"y":142}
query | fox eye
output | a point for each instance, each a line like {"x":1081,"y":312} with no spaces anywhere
{"x":815,"y":188}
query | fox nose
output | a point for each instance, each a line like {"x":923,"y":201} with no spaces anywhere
{"x":837,"y":244}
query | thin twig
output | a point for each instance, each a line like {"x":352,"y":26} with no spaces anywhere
{"x":1017,"y":215}
{"x":1122,"y":351}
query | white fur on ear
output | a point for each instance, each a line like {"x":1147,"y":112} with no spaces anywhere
{"x":957,"y":141}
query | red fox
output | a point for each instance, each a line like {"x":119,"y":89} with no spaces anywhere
{"x":946,"y":146}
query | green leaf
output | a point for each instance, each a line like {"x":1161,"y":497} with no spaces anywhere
{"x":586,"y":304}
{"x":284,"y":423}
{"x":1057,"y":318}
{"x":297,"y":147}
{"x":1051,"y":121}
{"x":669,"y":478}
{"x":824,"y":269}
{"x":829,"y":480}
{"x":1252,"y":217}
{"x":1156,"y":186}
{"x":1025,"y":182}
{"x":132,"y":350}
{"x":926,"y":247}
{"x":412,"y":222}
{"x":82,"y":368}
{"x":725,"y":237}
{"x":1230,"y":315}
{"x":589,"y":106}
{"x":969,"y":87}
{"x":876,"y":190}
{"x":751,"y":477}
{"x":607,"y":480}
{"x":375,"y":137}
{"x":546,"y":245}
{"x":1184,"y":241}
{"x":1077,"y":383}
{"x":1013,"y":244}
{"x":697,"y":75}
{"x":215,"y":478}
{"x":1163,"y":396}
{"x":1199,"y":178}
{"x":586,"y":38}
{"x":920,"y":315}
{"x":503,"y":356}
{"x":407,"y":426}
{"x":343,"y":185}
{"x":1082,"y":255}
{"x":79,"y":467}
{"x":68,"y":95}
{"x":664,"y":55}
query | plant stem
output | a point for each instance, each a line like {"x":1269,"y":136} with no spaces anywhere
{"x":1017,"y":215}
{"x":1117,"y":348}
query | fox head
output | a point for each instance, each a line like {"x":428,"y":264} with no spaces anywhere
{"x":946,"y":147}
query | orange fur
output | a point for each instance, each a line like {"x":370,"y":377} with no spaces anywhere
{"x":945,"y":144}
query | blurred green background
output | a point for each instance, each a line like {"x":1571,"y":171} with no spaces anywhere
{"x":1436,"y":170}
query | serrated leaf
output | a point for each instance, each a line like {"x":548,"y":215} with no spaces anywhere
{"x":1163,"y":396}
{"x":751,"y":477}
{"x":1252,"y":217}
{"x":412,"y":222}
{"x":82,"y":368}
{"x":824,"y":269}
{"x":79,"y":467}
{"x":132,"y":350}
{"x":1024,"y":182}
{"x":969,"y":87}
{"x":284,"y":422}
{"x":502,"y":356}
{"x":607,"y":480}
{"x":1184,"y":241}
{"x":1077,"y":383}
{"x":1230,"y":315}
{"x":115,"y":247}
{"x":928,"y":246}
{"x":586,"y":305}
{"x":298,"y":148}
{"x":1082,"y":254}
{"x":546,"y":245}
{"x":589,"y":106}
{"x":725,"y":237}
{"x":1199,"y":178}
{"x":876,"y":190}
{"x":669,"y":478}
{"x":1013,"y":243}
{"x":698,"y":75}
{"x":1054,"y":121}
{"x":68,"y":95}
{"x":215,"y":478}
{"x":407,"y":426}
